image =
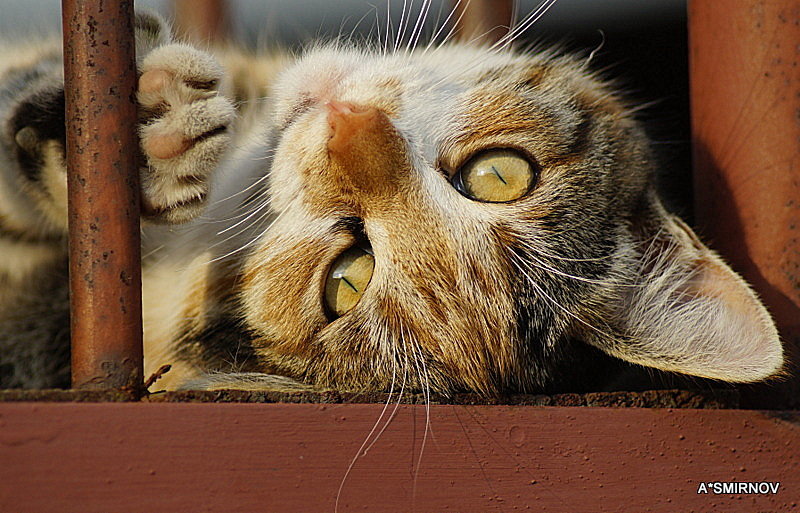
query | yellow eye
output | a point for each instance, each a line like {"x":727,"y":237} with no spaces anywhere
{"x":495,"y":176}
{"x":348,"y":279}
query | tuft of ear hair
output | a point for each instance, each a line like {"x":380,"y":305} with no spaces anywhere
{"x":691,"y":313}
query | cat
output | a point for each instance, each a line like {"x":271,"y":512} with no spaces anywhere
{"x":447,"y":218}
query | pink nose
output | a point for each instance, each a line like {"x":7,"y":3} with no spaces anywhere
{"x":367,"y":156}
{"x":348,"y":122}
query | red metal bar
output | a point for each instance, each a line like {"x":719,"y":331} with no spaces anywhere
{"x":483,"y":21}
{"x":745,"y":80}
{"x":295,"y":457}
{"x":202,"y":20}
{"x":103,"y":181}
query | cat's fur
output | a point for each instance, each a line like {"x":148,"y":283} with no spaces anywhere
{"x":245,"y":209}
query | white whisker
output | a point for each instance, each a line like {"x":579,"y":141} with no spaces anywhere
{"x":541,"y":291}
{"x":362,"y":451}
{"x":528,"y":22}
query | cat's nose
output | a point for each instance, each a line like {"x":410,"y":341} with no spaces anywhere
{"x":349,"y":123}
{"x":366,"y":151}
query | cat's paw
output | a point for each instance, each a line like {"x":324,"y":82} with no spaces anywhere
{"x":184,"y":130}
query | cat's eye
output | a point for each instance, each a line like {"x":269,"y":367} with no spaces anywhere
{"x":347,"y":279}
{"x":495,"y":176}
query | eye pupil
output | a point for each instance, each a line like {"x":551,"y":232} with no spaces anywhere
{"x":495,"y":176}
{"x":494,"y":169}
{"x":350,"y":285}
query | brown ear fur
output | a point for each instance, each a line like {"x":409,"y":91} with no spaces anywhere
{"x":691,"y":313}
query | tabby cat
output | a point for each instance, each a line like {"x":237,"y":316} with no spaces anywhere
{"x":448,"y":218}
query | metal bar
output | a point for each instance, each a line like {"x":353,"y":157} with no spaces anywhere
{"x":103,"y":182}
{"x":745,"y":105}
{"x":202,"y":20}
{"x":483,"y":21}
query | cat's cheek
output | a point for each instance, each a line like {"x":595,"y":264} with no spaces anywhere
{"x":300,"y":159}
{"x":282,"y":289}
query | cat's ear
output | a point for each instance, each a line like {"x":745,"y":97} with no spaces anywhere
{"x":691,"y":313}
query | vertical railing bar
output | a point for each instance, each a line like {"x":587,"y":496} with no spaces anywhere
{"x":103,"y":183}
{"x":483,"y":21}
{"x":202,"y":21}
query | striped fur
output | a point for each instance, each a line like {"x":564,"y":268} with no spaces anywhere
{"x":246,"y":216}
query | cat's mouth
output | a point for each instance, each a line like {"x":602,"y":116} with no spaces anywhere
{"x":348,"y":278}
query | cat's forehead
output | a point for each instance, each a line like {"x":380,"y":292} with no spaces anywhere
{"x":332,"y":70}
{"x":429,"y":94}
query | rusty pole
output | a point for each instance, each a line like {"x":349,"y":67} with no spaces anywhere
{"x":484,"y":21}
{"x":745,"y":90}
{"x":202,"y":21}
{"x":103,"y":182}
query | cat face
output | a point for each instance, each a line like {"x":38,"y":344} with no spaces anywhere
{"x":453,"y":218}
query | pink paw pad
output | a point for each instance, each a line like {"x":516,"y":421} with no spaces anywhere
{"x":154,"y":81}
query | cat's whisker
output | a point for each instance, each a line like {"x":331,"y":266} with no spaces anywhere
{"x":427,"y":394}
{"x":443,"y":26}
{"x":389,"y":33}
{"x":479,"y":38}
{"x":350,"y":36}
{"x":421,"y":369}
{"x":519,"y":29}
{"x":531,"y":248}
{"x":541,"y":291}
{"x":410,"y":345}
{"x":400,"y":27}
{"x":364,"y":449}
{"x":419,"y":25}
{"x":234,"y":235}
{"x":247,"y":245}
{"x":541,"y":253}
{"x":515,"y":8}
{"x":255,"y":183}
{"x":238,"y":213}
{"x":528,"y":22}
{"x":255,"y":211}
{"x":246,"y":208}
{"x":595,"y":50}
{"x":643,"y":106}
{"x":383,"y":336}
{"x":153,"y":251}
{"x":545,"y":267}
{"x":377,"y":29}
{"x":268,"y":155}
{"x":265,"y":215}
{"x":456,"y":23}
{"x":437,"y":23}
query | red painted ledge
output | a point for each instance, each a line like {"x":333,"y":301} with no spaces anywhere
{"x":142,"y":457}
